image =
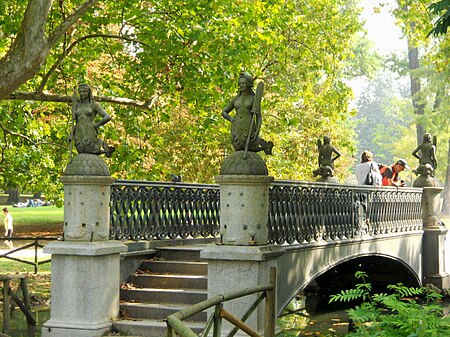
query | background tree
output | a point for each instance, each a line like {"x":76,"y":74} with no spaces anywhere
{"x":164,"y":70}
{"x":432,"y":73}
{"x":384,"y":117}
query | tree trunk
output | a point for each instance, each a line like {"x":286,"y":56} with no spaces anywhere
{"x":13,"y":195}
{"x":31,"y":45}
{"x":419,"y":107}
{"x":446,"y":193}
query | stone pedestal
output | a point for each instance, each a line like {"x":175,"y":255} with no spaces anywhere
{"x":86,"y":208}
{"x":433,"y":245}
{"x":235,"y":268}
{"x":244,"y":207}
{"x":243,"y":258}
{"x":85,"y":288}
{"x":85,"y":265}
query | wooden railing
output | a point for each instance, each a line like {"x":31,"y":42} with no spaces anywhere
{"x":35,"y":244}
{"x":24,"y":304}
{"x":176,"y":326}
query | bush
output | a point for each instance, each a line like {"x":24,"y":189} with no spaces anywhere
{"x":406,"y":312}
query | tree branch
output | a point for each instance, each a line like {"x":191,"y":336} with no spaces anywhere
{"x":31,"y":47}
{"x":71,"y":46}
{"x":78,"y":13}
{"x":44,"y":97}
{"x":28,"y":139}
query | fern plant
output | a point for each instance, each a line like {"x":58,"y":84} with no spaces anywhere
{"x":398,"y":314}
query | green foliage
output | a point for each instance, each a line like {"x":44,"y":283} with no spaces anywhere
{"x":399,"y":314}
{"x":181,"y":60}
{"x":441,"y":8}
{"x":384,"y":119}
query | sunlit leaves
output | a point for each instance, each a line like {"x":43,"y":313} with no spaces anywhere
{"x":183,"y":58}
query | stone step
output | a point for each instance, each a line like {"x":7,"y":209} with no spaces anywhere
{"x":170,"y":281}
{"x":150,"y":328}
{"x":158,"y":295}
{"x":156,"y":311}
{"x":173,"y":281}
{"x":180,"y":253}
{"x":175,"y":267}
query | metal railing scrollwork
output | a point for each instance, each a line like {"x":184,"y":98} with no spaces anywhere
{"x":305,"y":212}
{"x":299,"y":212}
{"x":152,"y":210}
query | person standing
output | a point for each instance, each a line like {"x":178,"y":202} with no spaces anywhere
{"x":8,"y":221}
{"x":390,"y":173}
{"x":367,"y":164}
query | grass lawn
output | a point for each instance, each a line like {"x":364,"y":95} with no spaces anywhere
{"x":31,"y":222}
{"x":36,"y":221}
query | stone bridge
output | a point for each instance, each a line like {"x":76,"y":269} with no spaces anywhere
{"x":302,"y":229}
{"x":316,"y":228}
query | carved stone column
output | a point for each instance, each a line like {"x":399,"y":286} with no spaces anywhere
{"x":433,"y":261}
{"x":242,"y":258}
{"x":85,"y":265}
{"x":244,"y":209}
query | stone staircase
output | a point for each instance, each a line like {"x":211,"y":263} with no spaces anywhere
{"x":171,"y":281}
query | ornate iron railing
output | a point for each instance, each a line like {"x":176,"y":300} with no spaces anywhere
{"x":154,"y":210}
{"x":299,"y":212}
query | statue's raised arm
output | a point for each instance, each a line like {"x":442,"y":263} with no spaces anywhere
{"x":85,"y":114}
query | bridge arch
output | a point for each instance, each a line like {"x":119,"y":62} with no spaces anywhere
{"x":366,"y":258}
{"x":301,"y":264}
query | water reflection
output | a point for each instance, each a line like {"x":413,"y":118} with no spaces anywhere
{"x":306,"y":316}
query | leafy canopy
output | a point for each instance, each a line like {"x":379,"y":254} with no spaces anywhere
{"x":165,"y":69}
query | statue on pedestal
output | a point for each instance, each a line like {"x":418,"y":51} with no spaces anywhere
{"x":427,"y":158}
{"x":245,"y":128}
{"x":326,"y":158}
{"x":85,"y":129}
{"x":246,"y":124}
{"x":427,"y":162}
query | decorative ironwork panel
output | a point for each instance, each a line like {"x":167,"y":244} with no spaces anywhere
{"x":152,"y":210}
{"x":301,"y":212}
{"x":308,"y":213}
{"x":392,"y":211}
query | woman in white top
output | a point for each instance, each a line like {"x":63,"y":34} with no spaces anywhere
{"x":8,"y":221}
{"x":364,"y":168}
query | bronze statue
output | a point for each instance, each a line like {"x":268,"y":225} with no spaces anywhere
{"x":427,"y":158}
{"x":326,"y":159}
{"x":246,"y":124}
{"x":85,"y":128}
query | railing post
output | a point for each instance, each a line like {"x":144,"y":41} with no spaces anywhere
{"x":35,"y":256}
{"x":6,"y":305}
{"x":433,"y":259}
{"x":217,"y":329}
{"x":85,"y":265}
{"x":269,"y":321}
{"x":243,"y":255}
